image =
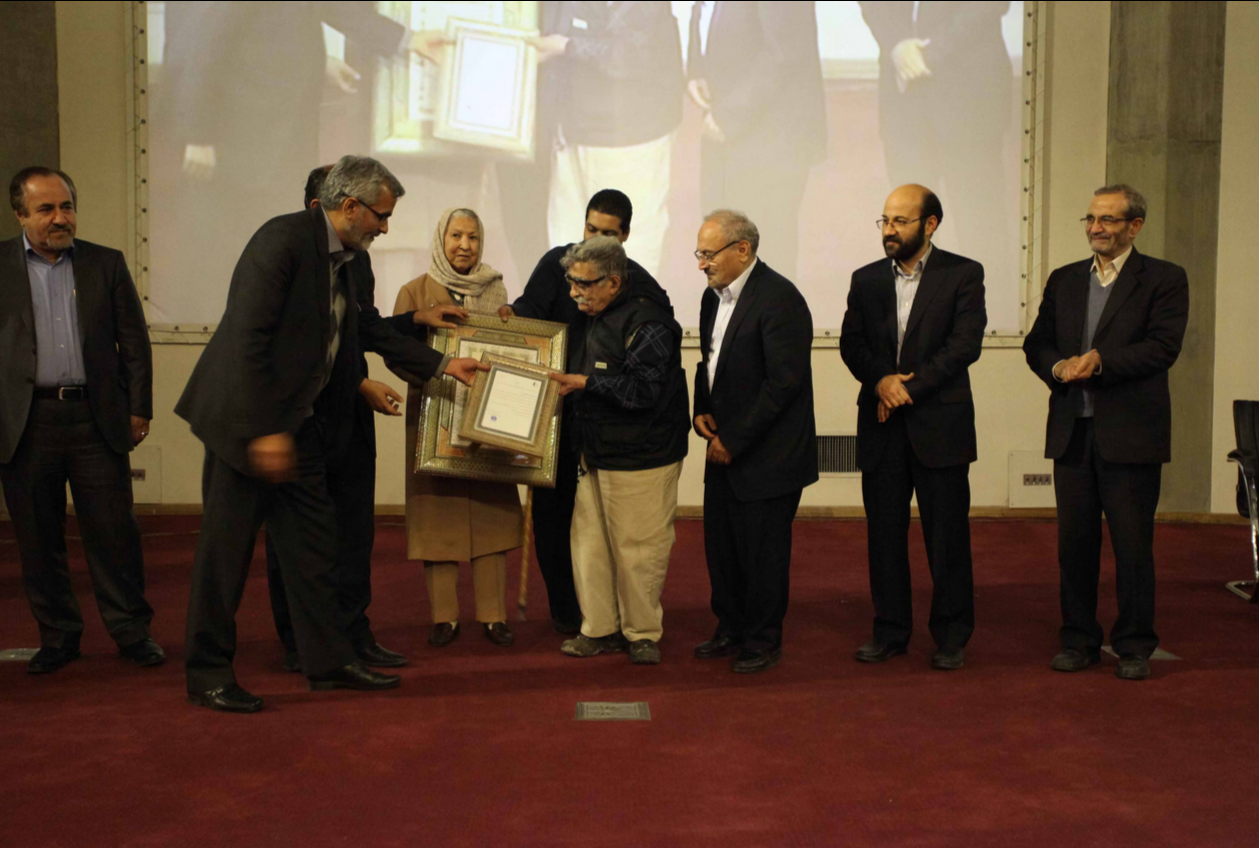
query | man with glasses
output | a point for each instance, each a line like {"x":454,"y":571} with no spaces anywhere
{"x":1108,"y":331}
{"x":914,"y":324}
{"x":269,"y":398}
{"x":546,"y":296}
{"x":754,"y":406}
{"x":629,"y":423}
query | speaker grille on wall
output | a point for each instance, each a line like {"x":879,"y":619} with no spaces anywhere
{"x":837,"y":454}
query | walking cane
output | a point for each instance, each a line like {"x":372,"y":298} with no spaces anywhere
{"x":522,"y":602}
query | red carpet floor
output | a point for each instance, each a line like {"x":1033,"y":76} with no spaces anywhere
{"x":479,"y":746}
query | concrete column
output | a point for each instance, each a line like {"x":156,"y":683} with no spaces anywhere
{"x":1163,"y":138}
{"x":28,"y":95}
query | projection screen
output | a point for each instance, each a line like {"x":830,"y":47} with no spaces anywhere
{"x":814,"y":111}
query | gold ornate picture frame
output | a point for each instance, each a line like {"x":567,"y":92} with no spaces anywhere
{"x":440,"y":447}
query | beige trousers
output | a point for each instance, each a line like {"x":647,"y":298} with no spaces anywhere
{"x":622,"y":536}
{"x":489,"y":583}
{"x":639,"y":170}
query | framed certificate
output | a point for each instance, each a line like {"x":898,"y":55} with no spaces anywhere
{"x":442,"y":445}
{"x":511,"y":406}
{"x":488,"y":90}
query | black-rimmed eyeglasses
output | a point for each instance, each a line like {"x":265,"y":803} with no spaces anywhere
{"x":582,"y":285}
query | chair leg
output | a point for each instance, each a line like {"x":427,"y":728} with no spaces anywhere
{"x":1249,"y":589}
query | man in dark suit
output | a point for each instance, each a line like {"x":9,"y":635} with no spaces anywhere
{"x":754,"y":405}
{"x":352,"y":474}
{"x":946,"y":106}
{"x":754,"y":69}
{"x":271,"y":398}
{"x":76,"y":395}
{"x":914,"y":324}
{"x":1108,"y":331}
{"x":609,"y":212}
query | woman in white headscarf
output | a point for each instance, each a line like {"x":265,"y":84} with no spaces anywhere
{"x":451,"y":520}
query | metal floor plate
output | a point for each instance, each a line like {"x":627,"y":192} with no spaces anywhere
{"x":612,"y":711}
{"x":17,"y":654}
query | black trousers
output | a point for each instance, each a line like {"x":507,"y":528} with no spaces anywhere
{"x":301,"y":518}
{"x":944,"y":508}
{"x":767,"y":185}
{"x":748,"y":547}
{"x":552,"y":523}
{"x":62,"y":443}
{"x":352,"y":486}
{"x":1086,"y":486}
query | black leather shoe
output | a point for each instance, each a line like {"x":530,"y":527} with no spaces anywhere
{"x":566,"y":628}
{"x":750,"y":662}
{"x":293,"y":662}
{"x":226,"y":699}
{"x":354,"y":676}
{"x":1132,"y":667}
{"x":948,"y":659}
{"x":877,"y":652}
{"x":443,"y":634}
{"x":378,"y":656}
{"x":499,"y":633}
{"x":48,"y":660}
{"x":721,"y":645}
{"x":1073,"y":659}
{"x":146,"y":652}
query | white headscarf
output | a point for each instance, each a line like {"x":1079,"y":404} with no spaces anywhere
{"x":482,"y":287}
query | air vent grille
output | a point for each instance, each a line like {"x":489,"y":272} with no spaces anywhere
{"x":837,"y":454}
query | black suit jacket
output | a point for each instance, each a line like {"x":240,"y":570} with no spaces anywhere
{"x":116,"y":353}
{"x":263,"y":366}
{"x":765,"y":76}
{"x":944,"y":335}
{"x":762,"y":397}
{"x":1138,"y":338}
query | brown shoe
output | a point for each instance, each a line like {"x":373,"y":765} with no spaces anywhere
{"x":443,"y":634}
{"x":500,"y":634}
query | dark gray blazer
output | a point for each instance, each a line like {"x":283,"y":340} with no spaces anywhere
{"x":263,"y":366}
{"x":1138,"y":337}
{"x":116,"y":353}
{"x":943,"y":338}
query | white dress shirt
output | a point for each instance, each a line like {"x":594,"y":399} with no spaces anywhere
{"x":906,"y":291}
{"x":725,"y":308}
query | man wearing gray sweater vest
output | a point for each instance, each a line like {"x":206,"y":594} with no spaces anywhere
{"x":1108,"y":330}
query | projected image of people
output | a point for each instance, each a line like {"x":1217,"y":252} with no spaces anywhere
{"x":802,"y":115}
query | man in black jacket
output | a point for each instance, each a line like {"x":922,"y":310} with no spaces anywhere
{"x":1108,"y":331}
{"x":915,"y":323}
{"x":352,"y":476}
{"x":754,"y":405}
{"x":630,"y":433}
{"x":271,"y":397}
{"x":754,"y":69}
{"x":546,"y":296}
{"x":76,"y":395}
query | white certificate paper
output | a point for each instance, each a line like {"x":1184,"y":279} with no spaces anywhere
{"x":511,"y":404}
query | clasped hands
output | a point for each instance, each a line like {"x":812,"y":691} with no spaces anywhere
{"x":717,"y":453}
{"x":1077,"y":369}
{"x":892,"y":394}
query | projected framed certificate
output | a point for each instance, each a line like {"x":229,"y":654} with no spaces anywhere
{"x":488,"y":90}
{"x":512,"y":406}
{"x":443,"y":446}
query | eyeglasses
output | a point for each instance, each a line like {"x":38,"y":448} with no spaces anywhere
{"x":898,"y":223}
{"x":379,"y":216}
{"x":707,"y":256}
{"x":1106,"y":220}
{"x":582,"y":285}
